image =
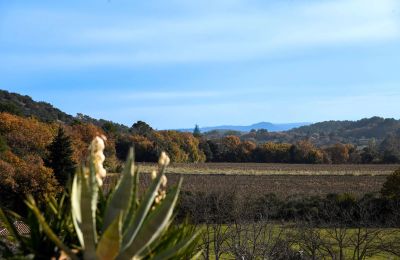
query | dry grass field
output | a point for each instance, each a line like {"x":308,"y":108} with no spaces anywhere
{"x":248,"y":179}
{"x":281,"y":185}
{"x":275,"y":169}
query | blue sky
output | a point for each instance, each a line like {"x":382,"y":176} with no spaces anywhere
{"x":177,"y":63}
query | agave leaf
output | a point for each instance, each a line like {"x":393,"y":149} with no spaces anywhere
{"x":197,"y":255}
{"x":76,"y":195}
{"x":46,"y":229}
{"x":7,"y":222}
{"x":52,"y":204}
{"x":134,"y":202}
{"x":93,"y":189}
{"x":154,"y":225}
{"x":110,"y":241}
{"x":178,"y":249}
{"x":141,"y":213}
{"x":122,"y":195}
{"x":88,"y":211}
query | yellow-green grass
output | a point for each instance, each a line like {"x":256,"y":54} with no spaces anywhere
{"x":274,"y":169}
{"x":289,"y":233}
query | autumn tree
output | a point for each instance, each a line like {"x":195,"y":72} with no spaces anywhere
{"x":20,"y":177}
{"x":305,"y":152}
{"x":339,"y":153}
{"x":229,"y":148}
{"x":26,"y":135}
{"x":60,"y":157}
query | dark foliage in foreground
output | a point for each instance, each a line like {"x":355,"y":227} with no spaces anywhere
{"x":343,"y":209}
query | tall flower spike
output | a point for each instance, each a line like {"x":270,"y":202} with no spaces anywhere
{"x":96,"y":149}
{"x":164,"y":159}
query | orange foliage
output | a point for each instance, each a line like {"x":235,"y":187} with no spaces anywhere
{"x":26,"y":135}
{"x":81,"y":136}
{"x":19,"y":177}
{"x":181,"y":147}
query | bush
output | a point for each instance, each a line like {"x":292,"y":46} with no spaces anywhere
{"x":120,"y":225}
{"x":391,"y":187}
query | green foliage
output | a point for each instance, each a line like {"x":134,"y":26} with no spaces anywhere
{"x":141,"y":128}
{"x":24,"y":105}
{"x":37,"y":243}
{"x":115,"y":226}
{"x":196,"y":131}
{"x":391,"y":187}
{"x":10,"y":108}
{"x":60,"y":157}
{"x":3,"y":144}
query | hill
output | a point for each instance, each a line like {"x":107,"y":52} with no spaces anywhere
{"x":21,"y":105}
{"x":358,"y":132}
{"x":271,"y":127}
{"x":24,"y":106}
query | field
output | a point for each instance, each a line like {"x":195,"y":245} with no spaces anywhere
{"x":274,"y":169}
{"x":282,"y":179}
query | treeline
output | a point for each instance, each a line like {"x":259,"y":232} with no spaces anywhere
{"x":29,"y":148}
{"x":232,"y":149}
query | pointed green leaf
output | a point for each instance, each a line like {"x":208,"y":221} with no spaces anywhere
{"x":88,"y":211}
{"x":46,"y":229}
{"x":122,"y":195}
{"x":110,"y":241}
{"x":82,"y":211}
{"x":178,"y":249}
{"x":197,"y":255}
{"x":134,"y":202}
{"x":154,"y":225}
{"x":76,"y":195}
{"x":141,"y":213}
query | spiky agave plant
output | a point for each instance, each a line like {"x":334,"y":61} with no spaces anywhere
{"x":129,"y":228}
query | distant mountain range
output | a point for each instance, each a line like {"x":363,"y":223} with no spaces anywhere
{"x":271,"y":127}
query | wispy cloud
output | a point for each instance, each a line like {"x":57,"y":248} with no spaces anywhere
{"x":237,"y":32}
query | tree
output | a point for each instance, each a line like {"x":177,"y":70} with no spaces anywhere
{"x":196,"y":131}
{"x":391,"y":187}
{"x":60,"y":157}
{"x":141,"y":128}
{"x":339,"y":153}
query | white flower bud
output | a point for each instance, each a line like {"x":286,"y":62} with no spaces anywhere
{"x":163,"y":181}
{"x":164,"y":159}
{"x":153,"y":175}
{"x":163,"y":194}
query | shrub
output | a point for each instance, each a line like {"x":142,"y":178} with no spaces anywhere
{"x":118,"y":226}
{"x":391,"y":187}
